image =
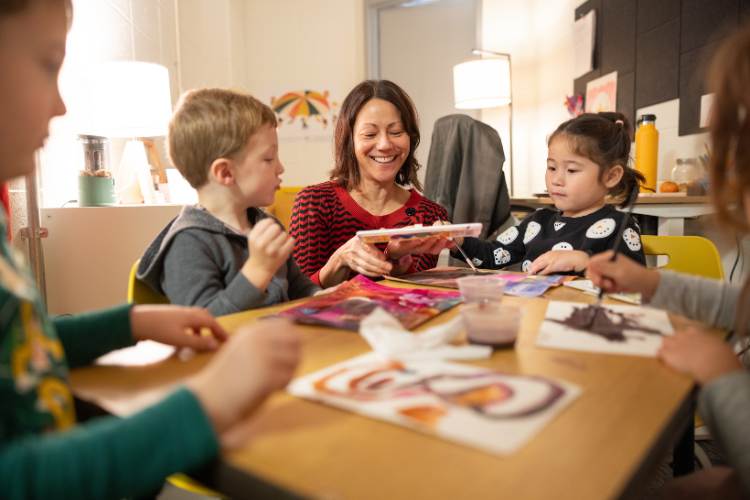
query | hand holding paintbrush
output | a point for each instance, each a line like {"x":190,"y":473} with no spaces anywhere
{"x":618,"y":240}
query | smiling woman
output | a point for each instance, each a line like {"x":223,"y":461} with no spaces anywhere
{"x":376,"y":137}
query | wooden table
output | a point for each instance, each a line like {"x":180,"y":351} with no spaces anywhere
{"x":670,"y":210}
{"x":605,"y":445}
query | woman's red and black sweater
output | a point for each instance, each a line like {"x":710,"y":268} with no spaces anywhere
{"x":325,"y":216}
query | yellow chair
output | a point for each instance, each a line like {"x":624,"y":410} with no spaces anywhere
{"x":283,"y":205}
{"x":687,"y":254}
{"x":141,"y":293}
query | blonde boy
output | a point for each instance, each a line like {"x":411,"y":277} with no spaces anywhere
{"x":225,"y":254}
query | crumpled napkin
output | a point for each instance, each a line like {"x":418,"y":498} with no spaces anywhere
{"x":390,"y":339}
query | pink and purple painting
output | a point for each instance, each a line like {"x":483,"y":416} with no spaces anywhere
{"x":355,"y":299}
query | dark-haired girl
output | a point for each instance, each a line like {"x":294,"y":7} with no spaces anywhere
{"x":588,"y":160}
{"x":377,"y":134}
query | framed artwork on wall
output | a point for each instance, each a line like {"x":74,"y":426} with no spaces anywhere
{"x":601,"y":94}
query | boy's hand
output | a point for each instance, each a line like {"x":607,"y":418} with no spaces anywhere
{"x":176,"y":325}
{"x":699,"y":355}
{"x":259,"y":359}
{"x":623,"y":275}
{"x":269,"y":247}
{"x":559,"y":261}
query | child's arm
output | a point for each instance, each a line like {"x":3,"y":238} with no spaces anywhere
{"x":707,"y":300}
{"x":699,"y":355}
{"x":85,"y":337}
{"x":269,"y":247}
{"x":193,"y":276}
{"x":115,"y":458}
{"x":110,"y":457}
{"x":506,"y":250}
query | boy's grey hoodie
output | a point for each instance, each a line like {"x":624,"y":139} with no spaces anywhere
{"x":196,"y":261}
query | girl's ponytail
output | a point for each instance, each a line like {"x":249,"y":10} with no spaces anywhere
{"x":605,"y":139}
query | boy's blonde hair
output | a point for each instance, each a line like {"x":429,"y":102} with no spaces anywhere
{"x":209,"y":124}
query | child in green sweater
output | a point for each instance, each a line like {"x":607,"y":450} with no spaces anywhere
{"x":43,"y":453}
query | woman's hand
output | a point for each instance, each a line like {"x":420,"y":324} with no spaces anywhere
{"x":363,"y":258}
{"x":269,"y":247}
{"x":559,"y":261}
{"x":699,"y":355}
{"x":176,"y":325}
{"x":259,"y":359}
{"x":452,"y":242}
{"x":623,"y":275}
{"x":400,"y":248}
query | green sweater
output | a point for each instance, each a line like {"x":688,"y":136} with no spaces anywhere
{"x":42,"y":453}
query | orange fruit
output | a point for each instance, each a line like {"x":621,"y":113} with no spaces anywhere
{"x":669,"y":187}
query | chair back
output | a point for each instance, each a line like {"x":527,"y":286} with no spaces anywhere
{"x":687,"y":254}
{"x":141,"y":293}
{"x":283,"y":205}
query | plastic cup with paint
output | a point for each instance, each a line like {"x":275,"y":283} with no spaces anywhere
{"x":492,"y":323}
{"x":481,"y":289}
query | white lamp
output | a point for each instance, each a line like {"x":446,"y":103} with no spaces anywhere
{"x":481,"y":83}
{"x":485,"y":83}
{"x":131,"y":99}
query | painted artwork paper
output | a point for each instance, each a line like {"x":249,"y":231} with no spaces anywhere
{"x":304,"y":112}
{"x":601,"y":94}
{"x":348,"y":305}
{"x":621,"y":330}
{"x":476,"y":407}
{"x":519,"y":285}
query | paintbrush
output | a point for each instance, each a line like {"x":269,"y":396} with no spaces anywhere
{"x":466,"y":257}
{"x":623,"y":225}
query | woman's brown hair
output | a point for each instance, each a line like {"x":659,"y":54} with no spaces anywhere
{"x":345,"y":172}
{"x":603,"y":138}
{"x":729,"y":78}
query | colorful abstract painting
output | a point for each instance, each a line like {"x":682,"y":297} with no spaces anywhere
{"x":477,"y":407}
{"x":354,"y":300}
{"x":519,"y":285}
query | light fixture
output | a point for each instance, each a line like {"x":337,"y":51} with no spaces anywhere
{"x":482,"y":83}
{"x":485,"y":82}
{"x":131,"y":99}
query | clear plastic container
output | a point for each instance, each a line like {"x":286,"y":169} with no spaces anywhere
{"x":492,"y":323}
{"x":684,"y":171}
{"x":481,"y":289}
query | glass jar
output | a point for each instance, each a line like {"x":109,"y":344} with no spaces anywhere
{"x":684,"y":171}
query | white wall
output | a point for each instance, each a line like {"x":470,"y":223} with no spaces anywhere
{"x":294,"y":42}
{"x":536,"y":33}
{"x":419,"y":45}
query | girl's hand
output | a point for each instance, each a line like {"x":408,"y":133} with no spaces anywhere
{"x":259,"y":359}
{"x":269,"y":247}
{"x":699,"y":355}
{"x":623,"y":275}
{"x":559,"y":261}
{"x":176,"y":325}
{"x":363,"y":258}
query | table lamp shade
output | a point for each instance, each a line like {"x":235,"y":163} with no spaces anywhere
{"x":481,"y":83}
{"x":130,"y":98}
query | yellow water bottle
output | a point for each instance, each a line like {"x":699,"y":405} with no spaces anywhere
{"x":647,"y":150}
